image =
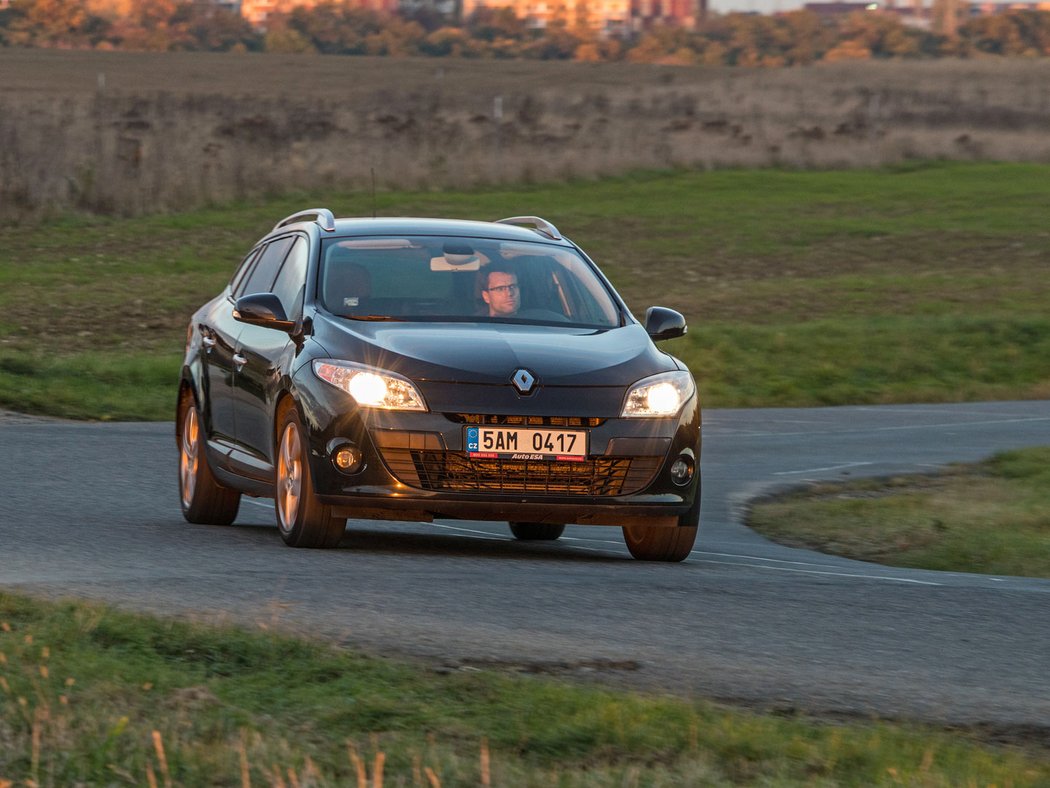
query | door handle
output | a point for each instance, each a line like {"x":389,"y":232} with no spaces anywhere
{"x":239,"y":360}
{"x":208,"y":342}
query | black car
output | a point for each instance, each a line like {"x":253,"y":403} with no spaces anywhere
{"x":407,"y":369}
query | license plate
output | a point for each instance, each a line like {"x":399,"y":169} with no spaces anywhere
{"x":523,"y":443}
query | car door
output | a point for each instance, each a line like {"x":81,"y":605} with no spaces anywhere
{"x":260,"y":350}
{"x":219,"y":332}
{"x":259,"y":280}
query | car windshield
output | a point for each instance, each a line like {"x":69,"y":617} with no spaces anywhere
{"x":430,"y":278}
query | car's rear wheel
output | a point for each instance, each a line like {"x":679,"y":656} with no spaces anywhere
{"x":302,"y":519}
{"x":203,"y":499}
{"x":536,"y":531}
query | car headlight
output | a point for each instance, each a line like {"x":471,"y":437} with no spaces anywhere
{"x":370,"y":387}
{"x":659,"y":395}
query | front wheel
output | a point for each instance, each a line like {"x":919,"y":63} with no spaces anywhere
{"x":529,"y":532}
{"x":202,"y":498}
{"x":302,"y":519}
{"x":659,"y":543}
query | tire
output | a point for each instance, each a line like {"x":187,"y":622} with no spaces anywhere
{"x":659,"y":543}
{"x":302,"y":520}
{"x":536,"y":532}
{"x":662,"y":543}
{"x":203,"y":499}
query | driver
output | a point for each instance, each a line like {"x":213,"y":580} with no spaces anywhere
{"x":500,"y":290}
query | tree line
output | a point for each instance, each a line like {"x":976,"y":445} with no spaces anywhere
{"x":798,"y":37}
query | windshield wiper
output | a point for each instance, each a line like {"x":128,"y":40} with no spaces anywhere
{"x":371,"y":317}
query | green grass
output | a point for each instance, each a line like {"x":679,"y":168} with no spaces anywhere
{"x":992,"y":517}
{"x":925,"y":283}
{"x":92,"y":696}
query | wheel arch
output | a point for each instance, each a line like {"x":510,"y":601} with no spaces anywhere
{"x":283,"y":402}
{"x":187,"y":385}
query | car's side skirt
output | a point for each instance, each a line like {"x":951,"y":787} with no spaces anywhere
{"x":239,"y":470}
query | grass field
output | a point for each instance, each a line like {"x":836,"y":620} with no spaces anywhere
{"x":926,"y":283}
{"x":920,"y":283}
{"x":129,"y":133}
{"x":993,"y":517}
{"x":89,"y":696}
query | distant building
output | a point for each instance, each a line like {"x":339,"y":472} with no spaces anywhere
{"x":114,"y":9}
{"x":602,"y":15}
{"x":610,"y":17}
{"x":989,"y":9}
{"x":915,"y":12}
{"x":677,"y":13}
{"x":257,"y":11}
{"x":911,"y":13}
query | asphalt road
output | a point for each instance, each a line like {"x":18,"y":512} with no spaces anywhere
{"x":91,"y":510}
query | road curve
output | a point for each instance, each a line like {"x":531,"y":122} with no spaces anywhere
{"x":91,"y":510}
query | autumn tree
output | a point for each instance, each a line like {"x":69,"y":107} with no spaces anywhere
{"x":53,"y":23}
{"x":882,"y":34}
{"x":1013,"y":33}
{"x":203,"y":25}
{"x":452,"y":42}
{"x":334,"y":28}
{"x":492,"y":24}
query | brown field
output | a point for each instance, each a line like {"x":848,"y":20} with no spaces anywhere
{"x":128,"y":133}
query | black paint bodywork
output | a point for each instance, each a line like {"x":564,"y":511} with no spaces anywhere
{"x":239,"y":372}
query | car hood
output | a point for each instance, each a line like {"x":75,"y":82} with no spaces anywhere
{"x":490,"y":354}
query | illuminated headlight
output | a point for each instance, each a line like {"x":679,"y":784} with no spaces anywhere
{"x":370,"y":388}
{"x":659,"y":395}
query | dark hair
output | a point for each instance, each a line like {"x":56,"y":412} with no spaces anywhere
{"x":497,"y":267}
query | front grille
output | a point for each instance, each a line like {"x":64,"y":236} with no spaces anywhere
{"x":448,"y":471}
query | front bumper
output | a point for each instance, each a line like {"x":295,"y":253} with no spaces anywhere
{"x":415,"y":467}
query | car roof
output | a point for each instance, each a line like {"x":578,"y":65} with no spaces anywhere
{"x":406,"y":225}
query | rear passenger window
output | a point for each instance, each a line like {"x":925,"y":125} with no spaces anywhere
{"x":243,"y":269}
{"x":260,"y":278}
{"x":291,"y":282}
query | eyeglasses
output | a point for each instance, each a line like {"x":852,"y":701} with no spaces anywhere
{"x":503,"y":289}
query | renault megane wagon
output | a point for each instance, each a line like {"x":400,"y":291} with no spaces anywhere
{"x":412,"y":369}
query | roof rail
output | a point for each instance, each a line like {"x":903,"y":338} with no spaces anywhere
{"x":322,"y":216}
{"x":536,"y":223}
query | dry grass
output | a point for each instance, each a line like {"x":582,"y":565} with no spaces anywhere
{"x":90,"y":696}
{"x":990,"y":518}
{"x":173,"y":131}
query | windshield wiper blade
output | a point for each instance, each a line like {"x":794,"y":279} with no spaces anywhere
{"x":371,"y":317}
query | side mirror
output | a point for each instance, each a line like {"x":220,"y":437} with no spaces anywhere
{"x":664,"y":323}
{"x":262,"y":309}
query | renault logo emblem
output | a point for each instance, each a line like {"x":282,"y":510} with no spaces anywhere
{"x":523,"y":381}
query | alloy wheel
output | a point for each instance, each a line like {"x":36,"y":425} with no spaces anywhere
{"x":189,"y":455}
{"x":289,"y":477}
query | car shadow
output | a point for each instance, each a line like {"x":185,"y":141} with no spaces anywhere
{"x":377,"y":540}
{"x":414,"y":539}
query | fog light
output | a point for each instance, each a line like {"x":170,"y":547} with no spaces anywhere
{"x":682,"y":470}
{"x":346,"y":458}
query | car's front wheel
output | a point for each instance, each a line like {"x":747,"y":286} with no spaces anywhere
{"x":536,"y":531}
{"x":203,"y":499}
{"x":662,"y":543}
{"x":302,"y":519}
{"x":659,"y":543}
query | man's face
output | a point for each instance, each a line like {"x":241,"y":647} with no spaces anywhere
{"x":502,"y":294}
